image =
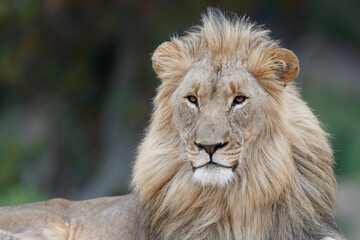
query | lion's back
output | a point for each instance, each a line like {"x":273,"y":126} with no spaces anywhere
{"x":102,"y":218}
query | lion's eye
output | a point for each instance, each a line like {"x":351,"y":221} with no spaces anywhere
{"x":192,"y":99}
{"x":238,"y":100}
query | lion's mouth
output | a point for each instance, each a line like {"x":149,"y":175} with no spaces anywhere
{"x":212,"y":164}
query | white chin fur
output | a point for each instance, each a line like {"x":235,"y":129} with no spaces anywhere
{"x":213,"y":175}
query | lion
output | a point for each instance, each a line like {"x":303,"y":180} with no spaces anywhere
{"x":231,"y":152}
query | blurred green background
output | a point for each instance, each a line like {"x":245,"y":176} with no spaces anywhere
{"x":76,"y":86}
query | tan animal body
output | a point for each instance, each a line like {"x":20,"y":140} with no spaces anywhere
{"x":232,"y":152}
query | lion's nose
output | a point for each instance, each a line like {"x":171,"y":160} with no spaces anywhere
{"x":211,"y":149}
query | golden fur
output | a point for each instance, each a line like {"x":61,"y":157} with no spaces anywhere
{"x":283,"y":186}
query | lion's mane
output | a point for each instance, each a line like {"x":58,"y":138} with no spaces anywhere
{"x":285,"y":186}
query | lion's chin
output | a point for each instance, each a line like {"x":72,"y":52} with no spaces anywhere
{"x":213,"y":175}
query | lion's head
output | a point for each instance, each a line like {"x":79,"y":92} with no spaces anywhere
{"x":231,"y":149}
{"x":219,"y":109}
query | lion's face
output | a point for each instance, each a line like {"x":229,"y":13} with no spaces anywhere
{"x":217,"y":109}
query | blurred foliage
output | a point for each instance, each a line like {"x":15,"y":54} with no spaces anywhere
{"x":20,"y":194}
{"x":339,"y":111}
{"x":64,"y":65}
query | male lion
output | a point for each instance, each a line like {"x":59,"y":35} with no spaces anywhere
{"x":232,"y":152}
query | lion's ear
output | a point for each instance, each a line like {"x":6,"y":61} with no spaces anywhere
{"x":170,"y":60}
{"x":289,"y":65}
{"x":161,"y":56}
